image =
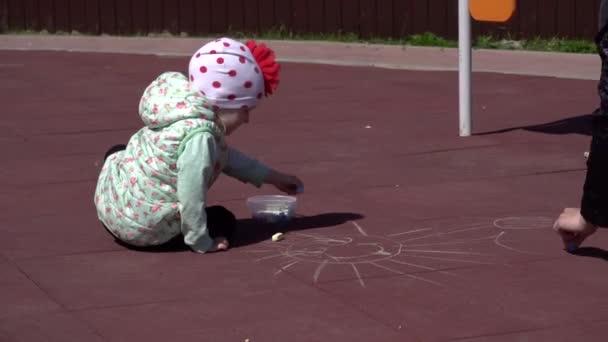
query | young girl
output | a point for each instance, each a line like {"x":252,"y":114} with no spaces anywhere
{"x":155,"y":188}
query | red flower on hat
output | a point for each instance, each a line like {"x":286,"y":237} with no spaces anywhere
{"x":265,"y":58}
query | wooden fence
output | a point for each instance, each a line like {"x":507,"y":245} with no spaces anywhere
{"x":367,"y":18}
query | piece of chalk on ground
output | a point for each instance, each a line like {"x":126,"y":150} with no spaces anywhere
{"x":586,"y":154}
{"x":571,"y":247}
{"x":277,"y":237}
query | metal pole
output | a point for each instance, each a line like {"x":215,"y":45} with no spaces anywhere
{"x":464,"y":67}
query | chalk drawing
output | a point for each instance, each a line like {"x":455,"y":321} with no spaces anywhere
{"x":525,"y":223}
{"x":361,"y":231}
{"x":360,"y":251}
{"x":358,"y":275}
{"x":410,"y":232}
{"x":285,"y":267}
{"x":497,"y":242}
{"x":319,"y":269}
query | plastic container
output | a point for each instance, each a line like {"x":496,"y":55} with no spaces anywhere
{"x":273,"y":209}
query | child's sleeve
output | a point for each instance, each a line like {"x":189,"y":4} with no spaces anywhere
{"x":245,"y":168}
{"x":195,"y":166}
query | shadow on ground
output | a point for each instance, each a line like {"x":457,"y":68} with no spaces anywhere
{"x":592,"y":252}
{"x":250,"y":231}
{"x":574,"y":125}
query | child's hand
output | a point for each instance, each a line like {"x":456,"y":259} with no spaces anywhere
{"x":286,"y":183}
{"x":573,"y":228}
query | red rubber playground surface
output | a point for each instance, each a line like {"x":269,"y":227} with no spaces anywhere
{"x":407,"y":232}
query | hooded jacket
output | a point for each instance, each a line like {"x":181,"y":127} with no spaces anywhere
{"x":157,"y":187}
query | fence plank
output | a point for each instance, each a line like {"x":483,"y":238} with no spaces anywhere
{"x":350,"y":16}
{"x":403,"y":18}
{"x":107,"y":17}
{"x":186,"y":17}
{"x":16,"y":15}
{"x":452,"y":20}
{"x":299,"y":15}
{"x":316,"y":16}
{"x":219,"y":20}
{"x":251,"y":14}
{"x":46,"y":15}
{"x":124,"y":17}
{"x":332,"y":16}
{"x":170,"y":16}
{"x":565,"y":19}
{"x":267,"y":17}
{"x":202,"y":17}
{"x":62,"y":16}
{"x":367,"y":18}
{"x":384,"y":18}
{"x":31,"y":15}
{"x":235,"y":15}
{"x":91,"y":10}
{"x":3,"y":15}
{"x":421,"y":16}
{"x":155,"y":16}
{"x":586,"y":19}
{"x":139,"y":17}
{"x":78,"y":16}
{"x":438,"y":17}
{"x":547,"y":18}
{"x":528,"y":17}
{"x":282,"y":12}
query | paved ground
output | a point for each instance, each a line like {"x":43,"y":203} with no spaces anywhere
{"x":408,"y":232}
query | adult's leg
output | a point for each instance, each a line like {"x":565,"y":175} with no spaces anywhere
{"x":594,"y":206}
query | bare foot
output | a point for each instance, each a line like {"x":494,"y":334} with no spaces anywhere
{"x":221,"y":243}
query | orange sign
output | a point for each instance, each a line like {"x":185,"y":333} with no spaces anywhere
{"x":492,"y":10}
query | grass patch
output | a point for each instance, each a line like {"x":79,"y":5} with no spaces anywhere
{"x":429,"y":39}
{"x":432,"y":40}
{"x":561,"y":45}
{"x":424,"y":39}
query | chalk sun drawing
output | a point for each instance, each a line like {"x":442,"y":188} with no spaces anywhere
{"x":407,"y":253}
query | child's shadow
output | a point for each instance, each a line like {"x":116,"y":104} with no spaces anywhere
{"x":592,"y":252}
{"x":249,"y":231}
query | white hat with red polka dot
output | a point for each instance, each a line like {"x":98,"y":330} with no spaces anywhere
{"x":227,"y":74}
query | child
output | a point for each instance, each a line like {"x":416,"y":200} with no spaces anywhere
{"x":155,"y":188}
{"x":576,"y":224}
